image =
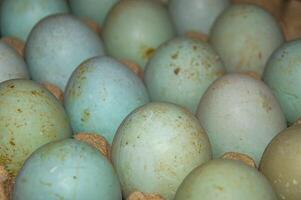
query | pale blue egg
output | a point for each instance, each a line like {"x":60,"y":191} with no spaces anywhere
{"x":12,"y":65}
{"x":17,"y":18}
{"x":69,"y":170}
{"x":57,"y":45}
{"x":100,"y":94}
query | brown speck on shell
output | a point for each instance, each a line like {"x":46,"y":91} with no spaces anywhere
{"x":16,"y":44}
{"x":260,"y":55}
{"x":252,"y":74}
{"x":134,"y":67}
{"x":149,"y":53}
{"x":177,"y":71}
{"x":240,"y":157}
{"x":93,"y":25}
{"x":56,"y":91}
{"x":142,"y":196}
{"x":197,"y":36}
{"x":175,"y":56}
{"x":96,"y":141}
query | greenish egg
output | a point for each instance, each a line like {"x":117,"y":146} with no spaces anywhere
{"x":282,"y":75}
{"x":240,"y":114}
{"x":245,"y":36}
{"x":134,"y":29}
{"x":225,"y":180}
{"x":30,"y":117}
{"x":182,"y":66}
{"x":156,"y":146}
{"x":281,"y":163}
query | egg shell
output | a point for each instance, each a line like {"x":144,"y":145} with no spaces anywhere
{"x":282,"y":76}
{"x":156,"y":146}
{"x":96,"y":10}
{"x":182,"y":66}
{"x":17,"y":18}
{"x":225,"y":180}
{"x":281,"y":163}
{"x":12,"y":65}
{"x":57,"y":45}
{"x":195,"y":15}
{"x":240,"y":114}
{"x":133,"y":30}
{"x":29,"y":117}
{"x":100,"y":94}
{"x":69,"y":170}
{"x":275,"y":7}
{"x":245,"y":36}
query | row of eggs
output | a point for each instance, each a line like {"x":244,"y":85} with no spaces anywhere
{"x":157,"y":144}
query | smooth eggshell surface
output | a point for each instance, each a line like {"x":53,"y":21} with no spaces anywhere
{"x":69,"y":170}
{"x":195,"y":15}
{"x":57,"y":45}
{"x":17,"y":18}
{"x":100,"y":94}
{"x":240,"y":114}
{"x":225,"y":180}
{"x":282,"y":76}
{"x":245,"y":36}
{"x":281,"y":163}
{"x":96,"y":10}
{"x":156,"y":146}
{"x":12,"y":65}
{"x":134,"y":29}
{"x":30,"y":116}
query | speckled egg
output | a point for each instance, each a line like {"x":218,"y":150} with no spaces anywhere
{"x":133,"y":29}
{"x":245,"y":36}
{"x":96,"y":10}
{"x":182,"y":66}
{"x":225,"y":180}
{"x":18,"y":17}
{"x":281,"y":163}
{"x":29,"y":117}
{"x":100,"y":94}
{"x":12,"y":65}
{"x":156,"y":146}
{"x":196,"y":15}
{"x":240,"y":114}
{"x":282,"y":76}
{"x":57,"y":45}
{"x":67,"y":170}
